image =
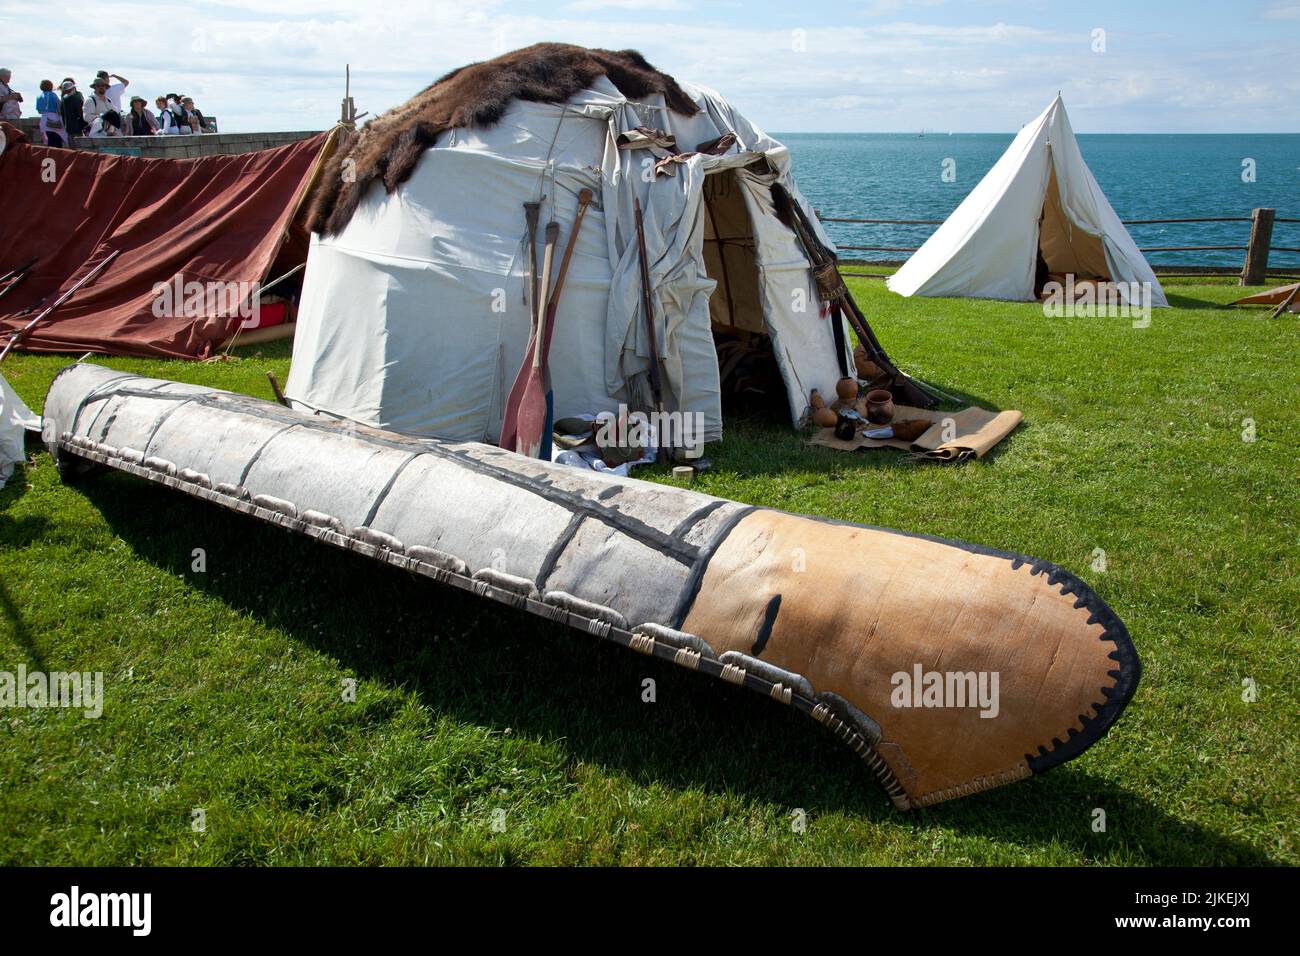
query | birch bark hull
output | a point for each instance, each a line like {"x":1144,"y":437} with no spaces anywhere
{"x":830,"y":618}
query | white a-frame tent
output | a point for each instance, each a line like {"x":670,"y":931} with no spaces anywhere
{"x":1040,"y":197}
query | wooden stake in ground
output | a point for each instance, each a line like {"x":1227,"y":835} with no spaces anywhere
{"x":1286,"y":303}
{"x":275,"y":388}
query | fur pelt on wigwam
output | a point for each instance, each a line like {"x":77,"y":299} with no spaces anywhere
{"x":389,"y":146}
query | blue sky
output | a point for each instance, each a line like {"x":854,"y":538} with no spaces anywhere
{"x":812,"y":65}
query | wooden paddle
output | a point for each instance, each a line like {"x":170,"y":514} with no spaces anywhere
{"x":531,"y":212}
{"x":510,"y":414}
{"x":536,"y":406}
{"x":585,"y":197}
{"x":530,"y":417}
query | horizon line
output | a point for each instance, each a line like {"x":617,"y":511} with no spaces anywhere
{"x":967,"y":132}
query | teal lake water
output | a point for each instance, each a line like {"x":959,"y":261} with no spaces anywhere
{"x":898,"y":176}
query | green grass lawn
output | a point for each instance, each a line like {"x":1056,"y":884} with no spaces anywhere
{"x":223,"y":689}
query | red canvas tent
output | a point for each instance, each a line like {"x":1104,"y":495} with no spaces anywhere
{"x":217,"y":219}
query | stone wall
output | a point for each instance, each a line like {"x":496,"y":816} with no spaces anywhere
{"x":176,"y":147}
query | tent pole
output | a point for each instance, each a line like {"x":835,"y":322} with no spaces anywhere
{"x":88,"y":277}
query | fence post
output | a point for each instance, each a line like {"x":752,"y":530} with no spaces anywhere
{"x":1255,"y":268}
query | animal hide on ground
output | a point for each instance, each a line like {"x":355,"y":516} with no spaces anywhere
{"x":389,"y":146}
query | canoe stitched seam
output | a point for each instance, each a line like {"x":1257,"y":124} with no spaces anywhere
{"x":695,"y":517}
{"x":558,"y":548}
{"x":94,"y":395}
{"x":1127,"y":676}
{"x":99,"y":412}
{"x":696,"y":578}
{"x":157,"y":424}
{"x":243,"y":475}
{"x":388,"y":486}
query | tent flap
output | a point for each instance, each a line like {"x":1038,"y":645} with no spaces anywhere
{"x":15,"y":418}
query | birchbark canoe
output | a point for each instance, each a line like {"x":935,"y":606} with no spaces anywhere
{"x":829,"y":618}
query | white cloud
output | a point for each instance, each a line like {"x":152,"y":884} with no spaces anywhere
{"x":850,"y":103}
{"x":661,"y":6}
{"x":1287,"y":10}
{"x":995,"y":33}
{"x":881,"y":8}
{"x":278,"y":64}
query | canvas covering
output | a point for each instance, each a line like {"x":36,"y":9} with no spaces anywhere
{"x":415,"y":316}
{"x":222,"y":219}
{"x":988,"y":247}
{"x":15,"y":418}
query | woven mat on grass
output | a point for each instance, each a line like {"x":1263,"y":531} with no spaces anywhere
{"x":952,"y":436}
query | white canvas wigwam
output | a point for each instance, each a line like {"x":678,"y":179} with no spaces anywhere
{"x":1039,"y":190}
{"x":415,"y":316}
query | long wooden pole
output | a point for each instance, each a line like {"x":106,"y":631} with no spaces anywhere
{"x":647,"y":299}
{"x":89,"y":276}
{"x":22,"y":268}
{"x":14,"y":276}
{"x":585,"y":196}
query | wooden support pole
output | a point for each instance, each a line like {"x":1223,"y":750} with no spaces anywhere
{"x":1255,"y":267}
{"x":1286,"y":303}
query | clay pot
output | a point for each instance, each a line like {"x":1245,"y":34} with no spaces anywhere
{"x":847,"y":389}
{"x":880,"y":407}
{"x":824,"y":417}
{"x":867,"y":370}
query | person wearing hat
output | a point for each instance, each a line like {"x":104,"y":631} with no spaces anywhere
{"x":108,"y":123}
{"x":140,"y":122}
{"x":175,"y":121}
{"x":114,"y":89}
{"x":72,"y":104}
{"x":197,"y":119}
{"x":11,"y":100}
{"x":98,"y":103}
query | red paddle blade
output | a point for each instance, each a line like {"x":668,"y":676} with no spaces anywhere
{"x":532,"y":415}
{"x":510,"y":419}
